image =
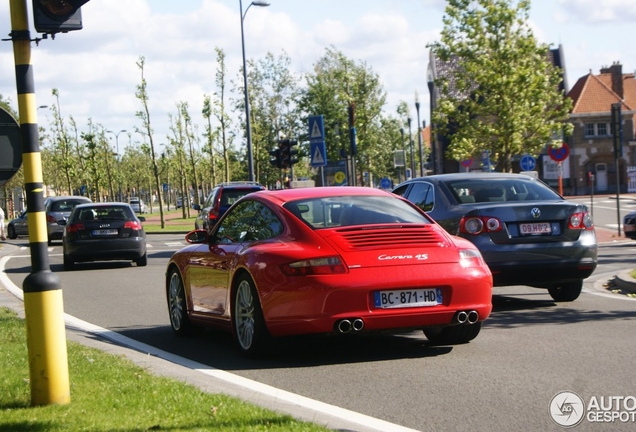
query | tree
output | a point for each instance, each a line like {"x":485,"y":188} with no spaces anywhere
{"x":144,"y":116}
{"x":335,"y":84}
{"x":503,"y":94}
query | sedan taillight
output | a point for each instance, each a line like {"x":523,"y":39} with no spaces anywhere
{"x":75,"y":227}
{"x":475,"y":225}
{"x":318,"y":266}
{"x":50,"y":219}
{"x":133,"y":225}
{"x":581,"y":220}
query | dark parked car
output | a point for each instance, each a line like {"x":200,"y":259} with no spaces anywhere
{"x":104,"y":232}
{"x":219,"y":200}
{"x":629,"y":225}
{"x":527,"y":233}
{"x":328,"y":260}
{"x":57,"y":208}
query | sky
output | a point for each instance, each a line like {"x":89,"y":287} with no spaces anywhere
{"x":95,"y":71}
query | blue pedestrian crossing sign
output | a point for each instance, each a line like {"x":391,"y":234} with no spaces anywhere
{"x":528,"y":163}
{"x":316,"y":128}
{"x":318,"y":153}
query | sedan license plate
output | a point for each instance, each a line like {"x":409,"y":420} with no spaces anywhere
{"x":535,"y":228}
{"x":407,"y":298}
{"x":104,"y":232}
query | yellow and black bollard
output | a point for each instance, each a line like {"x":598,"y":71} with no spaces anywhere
{"x":43,"y":305}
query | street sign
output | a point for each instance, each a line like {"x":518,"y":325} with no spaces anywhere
{"x":385,"y":183}
{"x":316,"y":128}
{"x":318,"y":153}
{"x":528,"y":163}
{"x":10,"y":146}
{"x":559,"y":154}
{"x":467,"y":162}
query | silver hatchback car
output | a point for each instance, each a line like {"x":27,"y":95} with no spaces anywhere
{"x":58,"y":209}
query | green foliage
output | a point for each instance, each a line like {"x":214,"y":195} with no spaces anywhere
{"x":337,"y":82}
{"x":503,"y":95}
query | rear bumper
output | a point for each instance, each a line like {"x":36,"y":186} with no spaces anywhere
{"x":109,"y":250}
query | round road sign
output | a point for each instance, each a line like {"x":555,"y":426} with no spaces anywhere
{"x":528,"y":163}
{"x":559,"y":154}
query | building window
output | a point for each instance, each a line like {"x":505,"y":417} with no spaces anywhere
{"x":596,"y":130}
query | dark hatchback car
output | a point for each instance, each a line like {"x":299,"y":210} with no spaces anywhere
{"x":527,"y":233}
{"x":219,"y":200}
{"x":104,"y":232}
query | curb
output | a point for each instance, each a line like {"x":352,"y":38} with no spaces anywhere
{"x":625,"y":281}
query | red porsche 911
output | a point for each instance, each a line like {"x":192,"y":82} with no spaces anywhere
{"x":327,"y":260}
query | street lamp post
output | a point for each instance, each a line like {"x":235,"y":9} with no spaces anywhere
{"x":419,"y":133}
{"x":408,"y":120}
{"x":118,"y":158}
{"x":248,"y":127}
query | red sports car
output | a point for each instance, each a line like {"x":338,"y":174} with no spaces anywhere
{"x":327,"y":260}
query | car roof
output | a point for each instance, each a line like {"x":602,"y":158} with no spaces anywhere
{"x":240,"y":185}
{"x":474,"y":174}
{"x":102,"y":204}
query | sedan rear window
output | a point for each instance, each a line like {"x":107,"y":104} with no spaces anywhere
{"x":354,"y":210}
{"x":479,"y":190}
{"x":103,"y":213}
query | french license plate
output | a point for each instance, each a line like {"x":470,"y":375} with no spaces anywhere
{"x":407,"y":298}
{"x":535,"y":228}
{"x":104,"y":232}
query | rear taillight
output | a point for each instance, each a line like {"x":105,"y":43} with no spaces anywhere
{"x":75,"y":227}
{"x":581,"y":220}
{"x":133,"y":225}
{"x":51,"y":219}
{"x":475,"y":225}
{"x":471,"y":258}
{"x":318,"y":266}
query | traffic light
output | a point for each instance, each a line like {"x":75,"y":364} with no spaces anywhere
{"x":57,"y":16}
{"x":275,"y":159}
{"x":292,"y":157}
{"x":287,"y":152}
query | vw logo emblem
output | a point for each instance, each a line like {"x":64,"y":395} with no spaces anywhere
{"x":535,"y":212}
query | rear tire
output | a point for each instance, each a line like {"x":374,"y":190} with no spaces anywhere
{"x":177,"y":305}
{"x":567,"y":291}
{"x":142,"y":261}
{"x":248,"y":324}
{"x":11,"y":233}
{"x":69,"y":264}
{"x":453,"y":335}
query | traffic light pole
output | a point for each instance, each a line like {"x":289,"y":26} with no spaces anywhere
{"x":43,"y":305}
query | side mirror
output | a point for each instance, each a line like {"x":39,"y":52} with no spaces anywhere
{"x":197,"y":236}
{"x":62,"y":222}
{"x":141,"y":219}
{"x":196,"y":207}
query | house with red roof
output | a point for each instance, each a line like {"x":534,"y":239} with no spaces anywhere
{"x":593,"y":161}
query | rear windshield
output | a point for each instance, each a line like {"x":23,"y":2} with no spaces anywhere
{"x":103,"y":213}
{"x":66,"y":205}
{"x":354,"y":210}
{"x":230,"y":196}
{"x":499,"y":189}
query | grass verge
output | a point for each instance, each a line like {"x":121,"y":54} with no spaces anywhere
{"x":110,"y":393}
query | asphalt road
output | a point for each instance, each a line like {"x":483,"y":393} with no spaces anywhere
{"x":529,"y":350}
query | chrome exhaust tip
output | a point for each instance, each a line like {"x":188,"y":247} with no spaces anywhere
{"x":473,"y":316}
{"x":357,"y":324}
{"x":344,"y":326}
{"x":461,"y":317}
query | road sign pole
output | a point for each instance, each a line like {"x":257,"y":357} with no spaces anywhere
{"x":43,"y":306}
